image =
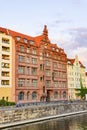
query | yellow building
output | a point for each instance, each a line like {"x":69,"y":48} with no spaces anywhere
{"x":86,"y":79}
{"x":5,"y":67}
{"x":75,"y":72}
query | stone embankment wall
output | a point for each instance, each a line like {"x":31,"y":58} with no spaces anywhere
{"x":17,"y":114}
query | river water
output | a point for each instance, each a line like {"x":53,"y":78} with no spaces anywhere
{"x":66,"y":123}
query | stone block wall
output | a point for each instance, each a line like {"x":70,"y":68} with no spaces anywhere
{"x":15,"y":114}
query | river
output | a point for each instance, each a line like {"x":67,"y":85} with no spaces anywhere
{"x":66,"y":123}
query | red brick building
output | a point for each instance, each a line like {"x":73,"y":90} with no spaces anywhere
{"x":39,"y":68}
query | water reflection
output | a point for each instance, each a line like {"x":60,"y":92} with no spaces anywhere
{"x":69,"y":123}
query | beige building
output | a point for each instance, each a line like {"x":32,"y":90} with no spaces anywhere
{"x":6,"y":67}
{"x":86,"y":79}
{"x":75,"y":72}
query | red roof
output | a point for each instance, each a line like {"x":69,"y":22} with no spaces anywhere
{"x":38,"y":39}
{"x":71,"y":61}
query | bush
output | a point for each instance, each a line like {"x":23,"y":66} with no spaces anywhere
{"x":6,"y":103}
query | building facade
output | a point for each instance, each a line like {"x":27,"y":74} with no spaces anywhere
{"x":38,"y":68}
{"x":6,"y":81}
{"x":86,"y":78}
{"x":75,"y":74}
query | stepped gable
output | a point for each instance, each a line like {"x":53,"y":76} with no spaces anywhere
{"x":71,"y":61}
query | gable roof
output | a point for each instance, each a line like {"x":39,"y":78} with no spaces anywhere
{"x":71,"y":62}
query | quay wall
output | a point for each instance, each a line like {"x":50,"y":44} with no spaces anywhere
{"x":11,"y":116}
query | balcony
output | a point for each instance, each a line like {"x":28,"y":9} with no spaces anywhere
{"x":5,"y":74}
{"x":5,"y":41}
{"x":5,"y":82}
{"x":5,"y":57}
{"x":5,"y":65}
{"x":5,"y":49}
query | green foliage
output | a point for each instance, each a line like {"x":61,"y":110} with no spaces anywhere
{"x":6,"y":103}
{"x":81,"y":91}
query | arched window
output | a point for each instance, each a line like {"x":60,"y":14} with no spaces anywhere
{"x":28,"y":94}
{"x":64,"y":95}
{"x":55,"y":95}
{"x":21,"y":96}
{"x":43,"y":89}
{"x":34,"y":95}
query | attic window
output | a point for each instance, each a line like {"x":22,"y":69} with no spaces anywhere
{"x":25,"y":40}
{"x":1,"y":32}
{"x":69,"y":62}
{"x":57,"y":50}
{"x":31,"y":42}
{"x":53,"y":48}
{"x":18,"y":38}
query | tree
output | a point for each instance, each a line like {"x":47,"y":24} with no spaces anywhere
{"x":82,"y":91}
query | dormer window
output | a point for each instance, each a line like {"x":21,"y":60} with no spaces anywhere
{"x":18,"y":38}
{"x":31,"y":42}
{"x":69,"y":62}
{"x":25,"y":40}
{"x":53,"y":48}
{"x":57,"y":50}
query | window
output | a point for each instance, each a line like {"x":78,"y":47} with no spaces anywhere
{"x":28,"y":59}
{"x":28,"y":95}
{"x":31,"y":42}
{"x":28,"y":49}
{"x":21,"y":58}
{"x":5,"y":57}
{"x":21,"y":96}
{"x":33,"y":51}
{"x":18,"y":38}
{"x":25,"y":40}
{"x":55,"y":74}
{"x":56,"y":84}
{"x":5,"y":49}
{"x":43,"y":89}
{"x":28,"y":71}
{"x":47,"y":63}
{"x":5,"y":73}
{"x":6,"y":98}
{"x":34,"y":60}
{"x":34,"y":82}
{"x":28,"y":82}
{"x":55,"y":64}
{"x":34,"y":95}
{"x":5,"y":65}
{"x":48,"y":73}
{"x":64,"y":95}
{"x":48,"y":83}
{"x":21,"y":82}
{"x":41,"y":67}
{"x":34,"y":71}
{"x":41,"y":79}
{"x":55,"y":95}
{"x":57,"y":50}
{"x":22,"y":48}
{"x":53,"y":48}
{"x":5,"y":41}
{"x":21,"y":69}
{"x":5,"y":82}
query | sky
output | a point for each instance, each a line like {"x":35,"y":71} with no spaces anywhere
{"x":66,"y":21}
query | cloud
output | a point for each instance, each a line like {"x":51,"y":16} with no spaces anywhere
{"x":74,"y":42}
{"x":79,"y":36}
{"x":78,"y":44}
